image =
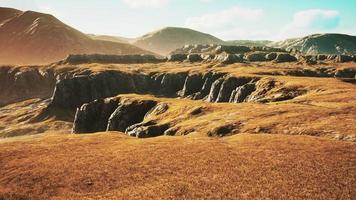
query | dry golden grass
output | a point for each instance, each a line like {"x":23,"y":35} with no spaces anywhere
{"x":19,"y":119}
{"x":113,"y":166}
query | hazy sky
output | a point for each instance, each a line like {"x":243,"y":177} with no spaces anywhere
{"x":227,"y":19}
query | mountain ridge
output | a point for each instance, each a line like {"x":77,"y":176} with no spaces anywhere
{"x":37,"y":38}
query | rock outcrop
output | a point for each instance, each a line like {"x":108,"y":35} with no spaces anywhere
{"x":93,"y":117}
{"x":215,"y":89}
{"x":128,"y":114}
{"x":177,"y":57}
{"x":257,"y":57}
{"x":194,"y":58}
{"x":172,"y":83}
{"x":242,"y":92}
{"x":346,"y":73}
{"x":147,"y":129}
{"x":285,"y":57}
{"x":18,"y":84}
{"x":193,"y":83}
{"x":73,"y":92}
{"x":228,"y":86}
{"x":124,"y":115}
{"x":344,"y":58}
{"x":232,"y":49}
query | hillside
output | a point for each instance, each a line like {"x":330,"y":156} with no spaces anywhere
{"x":248,"y":42}
{"x":37,"y":38}
{"x":111,"y":38}
{"x":168,"y":39}
{"x":320,"y":44}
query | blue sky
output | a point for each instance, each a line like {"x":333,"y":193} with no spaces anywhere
{"x":227,"y":19}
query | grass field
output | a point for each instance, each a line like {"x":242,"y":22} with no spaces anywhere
{"x":113,"y":166}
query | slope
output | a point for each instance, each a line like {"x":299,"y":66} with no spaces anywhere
{"x":36,"y":38}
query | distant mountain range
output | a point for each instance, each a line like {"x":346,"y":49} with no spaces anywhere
{"x":320,"y":44}
{"x":37,"y":38}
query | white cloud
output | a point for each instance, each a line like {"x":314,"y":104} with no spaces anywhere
{"x":146,"y":3}
{"x":232,"y":23}
{"x":311,"y":21}
{"x":225,"y":18}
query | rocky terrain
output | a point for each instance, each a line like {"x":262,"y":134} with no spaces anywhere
{"x":72,"y":126}
{"x":86,"y":90}
{"x":41,"y":39}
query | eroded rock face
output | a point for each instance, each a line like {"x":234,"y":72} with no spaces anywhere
{"x":193,"y":83}
{"x":214,"y":90}
{"x":73,"y":92}
{"x":18,"y":84}
{"x":172,"y":83}
{"x":346,"y":73}
{"x":271,"y":56}
{"x":231,"y":59}
{"x":257,"y":57}
{"x":228,"y":86}
{"x":232,"y":49}
{"x":194,"y":58}
{"x":242,"y":92}
{"x":285,"y":57}
{"x":128,"y":114}
{"x":209,"y":79}
{"x":93,"y":117}
{"x":344,"y":58}
{"x":177,"y":57}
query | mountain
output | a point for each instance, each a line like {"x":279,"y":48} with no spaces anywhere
{"x":258,"y":43}
{"x":320,"y":44}
{"x":168,"y":39}
{"x":37,"y":38}
{"x":111,"y":38}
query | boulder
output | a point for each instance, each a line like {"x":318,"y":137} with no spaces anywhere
{"x":194,"y":58}
{"x":93,"y":117}
{"x":285,"y":57}
{"x":344,"y":58}
{"x":177,"y":57}
{"x":242,"y":92}
{"x":128,"y":114}
{"x":321,"y":57}
{"x":228,"y":86}
{"x":223,"y":130}
{"x":147,"y":130}
{"x":346,"y":73}
{"x":271,"y":56}
{"x":157,"y":110}
{"x":257,"y":57}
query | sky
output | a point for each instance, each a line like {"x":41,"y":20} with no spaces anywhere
{"x":226,"y":19}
